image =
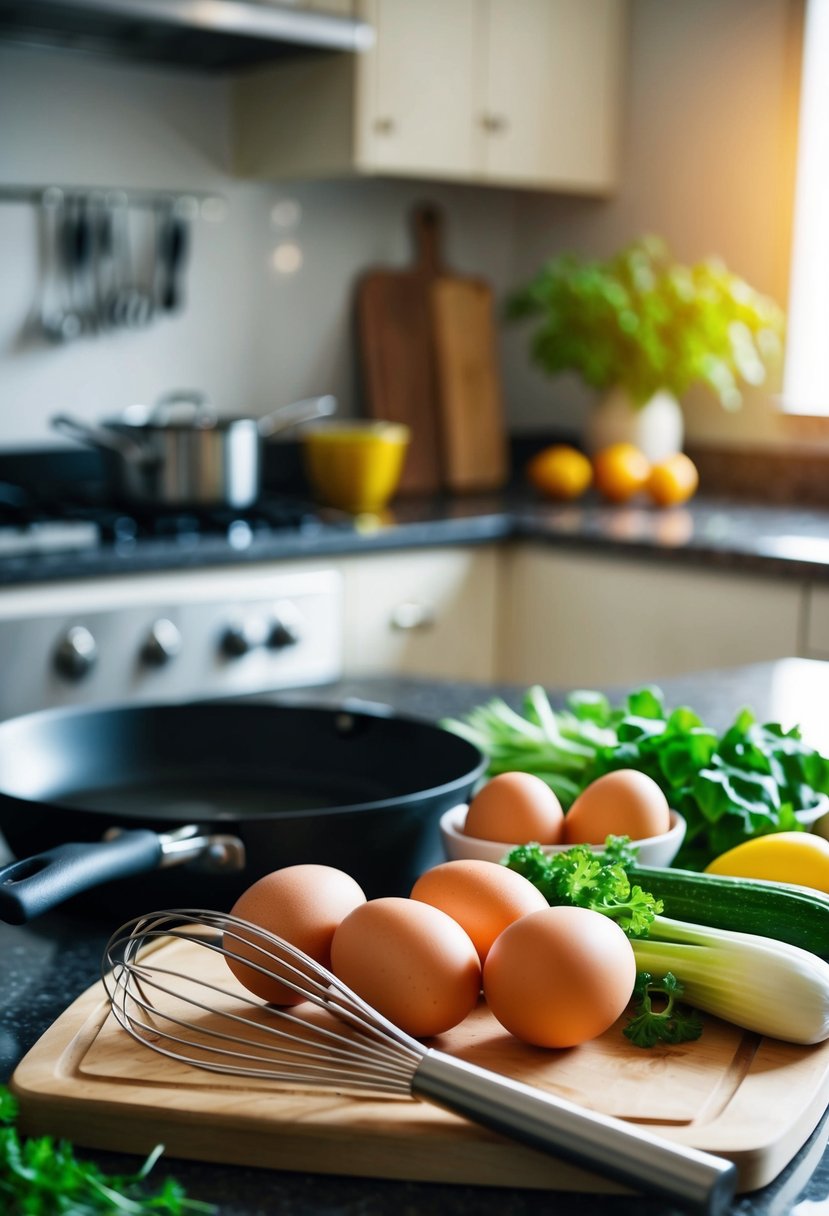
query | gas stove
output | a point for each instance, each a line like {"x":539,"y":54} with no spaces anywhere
{"x":116,"y":605}
{"x":38,"y":521}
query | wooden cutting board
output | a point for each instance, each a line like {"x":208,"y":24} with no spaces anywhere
{"x":754,"y":1100}
{"x":427,"y":342}
{"x":394,"y":324}
{"x":470,"y":408}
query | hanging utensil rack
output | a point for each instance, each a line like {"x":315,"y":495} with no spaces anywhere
{"x":101,"y":271}
{"x":192,"y":203}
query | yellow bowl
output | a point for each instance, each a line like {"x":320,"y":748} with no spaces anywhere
{"x":355,"y":465}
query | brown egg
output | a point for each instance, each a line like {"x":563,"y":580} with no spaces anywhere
{"x":559,"y":977}
{"x":515,"y":808}
{"x":303,"y":904}
{"x":482,"y":896}
{"x":621,"y":803}
{"x":411,"y":961}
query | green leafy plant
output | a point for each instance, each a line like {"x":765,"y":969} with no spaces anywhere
{"x":41,"y":1176}
{"x":644,"y":322}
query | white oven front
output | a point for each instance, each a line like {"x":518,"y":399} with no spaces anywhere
{"x":163,"y":637}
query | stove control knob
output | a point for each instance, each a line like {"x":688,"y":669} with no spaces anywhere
{"x":283,"y":633}
{"x":162,"y":644}
{"x":286,"y":628}
{"x":76,"y":653}
{"x":242,"y":637}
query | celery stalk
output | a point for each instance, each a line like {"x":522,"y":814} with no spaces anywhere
{"x":763,"y":985}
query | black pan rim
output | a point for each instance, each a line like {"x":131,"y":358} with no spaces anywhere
{"x":464,"y":782}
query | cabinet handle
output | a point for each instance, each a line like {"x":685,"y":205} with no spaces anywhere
{"x":384,"y":126}
{"x":494,"y":123}
{"x":409,"y":616}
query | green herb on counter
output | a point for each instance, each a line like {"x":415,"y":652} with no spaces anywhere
{"x":674,"y":1023}
{"x":41,"y":1176}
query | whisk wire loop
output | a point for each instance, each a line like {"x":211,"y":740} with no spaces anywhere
{"x":209,"y":1021}
{"x":280,"y":1044}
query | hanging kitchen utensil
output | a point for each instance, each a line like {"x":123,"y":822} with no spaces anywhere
{"x":173,"y":243}
{"x":183,"y":454}
{"x":362,"y":791}
{"x":57,"y":321}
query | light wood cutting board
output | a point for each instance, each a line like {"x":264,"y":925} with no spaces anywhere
{"x":754,"y":1100}
{"x":470,"y":407}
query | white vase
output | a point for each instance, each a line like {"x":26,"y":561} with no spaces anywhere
{"x":656,"y":428}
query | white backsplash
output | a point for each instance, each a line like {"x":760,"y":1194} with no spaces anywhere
{"x":250,"y":336}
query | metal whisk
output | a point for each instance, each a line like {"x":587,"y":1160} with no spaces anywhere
{"x":337,"y":1041}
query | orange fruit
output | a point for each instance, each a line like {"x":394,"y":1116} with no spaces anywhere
{"x":560,"y":471}
{"x":620,"y":471}
{"x":673,"y":481}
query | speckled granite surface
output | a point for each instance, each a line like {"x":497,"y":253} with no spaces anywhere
{"x":47,"y":964}
{"x":714,"y":532}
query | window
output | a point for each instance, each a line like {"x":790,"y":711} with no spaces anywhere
{"x":806,"y":377}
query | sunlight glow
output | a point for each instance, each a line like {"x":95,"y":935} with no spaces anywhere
{"x":806,"y":380}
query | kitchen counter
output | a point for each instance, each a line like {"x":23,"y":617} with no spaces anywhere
{"x":50,"y":962}
{"x":767,"y":539}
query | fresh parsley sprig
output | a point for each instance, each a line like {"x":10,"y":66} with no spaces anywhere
{"x":673,"y":1023}
{"x":41,"y":1176}
{"x":580,"y":878}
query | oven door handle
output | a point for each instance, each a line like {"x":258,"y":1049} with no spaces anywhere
{"x":36,"y":884}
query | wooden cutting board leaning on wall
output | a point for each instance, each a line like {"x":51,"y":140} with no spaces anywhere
{"x":427,"y":344}
{"x":473,"y":444}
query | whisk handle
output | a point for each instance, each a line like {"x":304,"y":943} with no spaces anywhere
{"x":698,"y":1181}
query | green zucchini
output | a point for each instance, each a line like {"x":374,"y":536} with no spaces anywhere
{"x":783,"y":911}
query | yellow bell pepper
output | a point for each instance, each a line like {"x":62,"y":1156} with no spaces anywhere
{"x":794,"y":857}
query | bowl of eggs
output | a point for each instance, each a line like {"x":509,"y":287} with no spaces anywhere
{"x":519,"y":808}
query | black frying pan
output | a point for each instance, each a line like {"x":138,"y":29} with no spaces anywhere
{"x":233,"y":790}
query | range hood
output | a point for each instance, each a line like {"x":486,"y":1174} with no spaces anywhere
{"x":217,"y":35}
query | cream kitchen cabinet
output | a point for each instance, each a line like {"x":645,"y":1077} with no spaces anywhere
{"x":816,"y":624}
{"x":571,"y":618}
{"x":512,"y":92}
{"x":429,"y":612}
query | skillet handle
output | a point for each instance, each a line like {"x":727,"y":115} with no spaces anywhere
{"x":37,"y":884}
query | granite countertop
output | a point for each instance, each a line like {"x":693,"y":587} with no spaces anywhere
{"x":50,"y":962}
{"x":734,"y":534}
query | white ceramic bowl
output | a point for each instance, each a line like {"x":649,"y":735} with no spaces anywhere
{"x":653,"y":851}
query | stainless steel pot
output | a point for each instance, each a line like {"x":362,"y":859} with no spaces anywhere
{"x":181,"y":454}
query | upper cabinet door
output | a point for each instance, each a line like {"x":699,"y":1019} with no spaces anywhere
{"x":553,"y":92}
{"x":418,"y":87}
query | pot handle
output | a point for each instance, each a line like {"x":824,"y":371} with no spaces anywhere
{"x":35,"y":885}
{"x":97,"y":436}
{"x":183,"y":405}
{"x":297,"y":411}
